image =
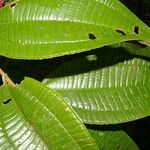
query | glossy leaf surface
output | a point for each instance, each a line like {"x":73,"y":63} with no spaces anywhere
{"x":113,"y":140}
{"x":104,"y":88}
{"x":39,"y":118}
{"x":4,"y":93}
{"x":137,"y":49}
{"x":37,"y":29}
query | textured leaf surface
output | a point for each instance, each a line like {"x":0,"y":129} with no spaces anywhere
{"x":37,"y":29}
{"x":113,"y":140}
{"x":104,"y":88}
{"x":137,"y":49}
{"x":38,"y":118}
{"x":4,"y":94}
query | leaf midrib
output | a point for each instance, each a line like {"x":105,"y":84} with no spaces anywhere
{"x":68,"y":21}
{"x":25,"y":118}
{"x":97,"y":88}
{"x":108,"y":111}
{"x":53,"y":116}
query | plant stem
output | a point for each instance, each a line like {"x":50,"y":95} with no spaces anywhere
{"x":5,"y":78}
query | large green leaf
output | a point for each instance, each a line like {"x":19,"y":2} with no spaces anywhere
{"x":112,"y":140}
{"x":103,"y":90}
{"x":37,"y":29}
{"x":39,"y":118}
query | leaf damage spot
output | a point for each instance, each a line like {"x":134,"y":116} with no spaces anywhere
{"x":136,"y":30}
{"x":7,"y":101}
{"x":118,"y":147}
{"x":121,"y":32}
{"x":12,"y":5}
{"x":92,"y":36}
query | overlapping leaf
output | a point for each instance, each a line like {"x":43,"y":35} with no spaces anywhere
{"x":137,"y":49}
{"x":37,"y":29}
{"x":104,"y":88}
{"x":39,"y":118}
{"x":113,"y":140}
{"x":4,"y":94}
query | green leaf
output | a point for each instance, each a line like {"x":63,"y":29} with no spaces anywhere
{"x":113,"y":140}
{"x":134,"y":47}
{"x":104,"y":88}
{"x":37,"y":29}
{"x":137,"y":48}
{"x":4,"y":94}
{"x":39,"y":118}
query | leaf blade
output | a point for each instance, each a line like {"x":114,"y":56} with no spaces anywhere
{"x":39,"y":118}
{"x":113,"y":140}
{"x":104,"y":94}
{"x":4,"y":93}
{"x":47,"y":30}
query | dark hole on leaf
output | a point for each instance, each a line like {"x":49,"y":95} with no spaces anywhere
{"x":121,"y":32}
{"x":118,"y":147}
{"x":7,"y":101}
{"x":92,"y":36}
{"x":12,"y":5}
{"x":136,"y":30}
{"x":1,"y":82}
